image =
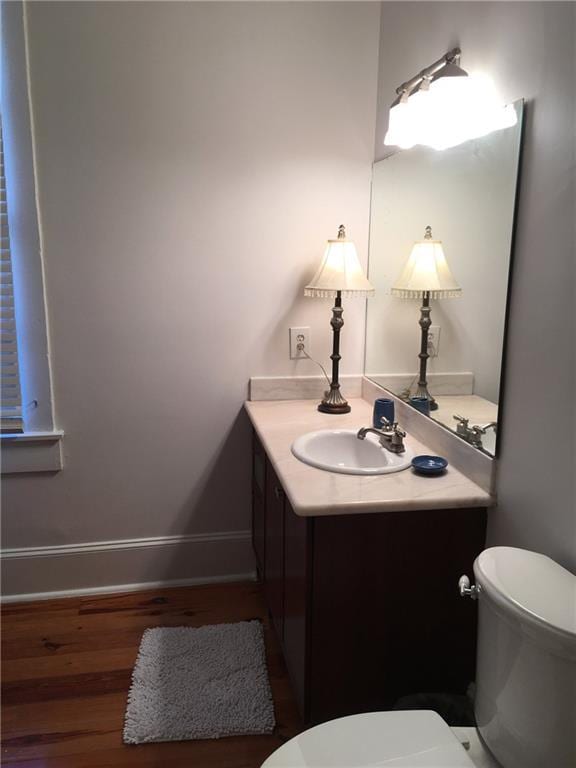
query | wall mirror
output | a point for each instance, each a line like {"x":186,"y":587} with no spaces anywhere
{"x":466,"y":195}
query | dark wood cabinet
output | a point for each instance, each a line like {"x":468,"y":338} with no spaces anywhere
{"x":366,"y":606}
{"x":274,"y":550}
{"x":259,"y":505}
{"x":297,"y":579}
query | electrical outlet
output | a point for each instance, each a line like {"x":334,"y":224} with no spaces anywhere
{"x":299,"y":343}
{"x":434,"y":340}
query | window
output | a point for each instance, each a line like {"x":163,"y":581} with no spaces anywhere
{"x":32,"y":443}
{"x":11,"y":400}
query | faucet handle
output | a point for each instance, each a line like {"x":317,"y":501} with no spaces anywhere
{"x":392,"y":426}
{"x":398,"y":430}
{"x":397,"y":439}
{"x":461,"y":419}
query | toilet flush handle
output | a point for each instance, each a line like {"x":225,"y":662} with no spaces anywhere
{"x":466,"y":590}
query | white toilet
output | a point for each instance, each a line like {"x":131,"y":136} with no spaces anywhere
{"x":526,"y":686}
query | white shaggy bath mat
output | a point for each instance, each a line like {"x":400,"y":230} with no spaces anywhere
{"x":199,"y":683}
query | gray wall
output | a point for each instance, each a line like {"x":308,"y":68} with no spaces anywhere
{"x":192,"y":159}
{"x":528,"y":48}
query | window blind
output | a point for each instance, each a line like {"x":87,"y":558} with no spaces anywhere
{"x":10,"y":400}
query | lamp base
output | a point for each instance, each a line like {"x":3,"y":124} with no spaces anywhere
{"x":425,"y":322}
{"x":334,"y":402}
{"x":422,"y":391}
{"x":329,"y":408}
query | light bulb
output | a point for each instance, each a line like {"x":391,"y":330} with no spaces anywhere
{"x":397,"y":122}
{"x":448,"y":111}
{"x":467,"y":108}
{"x":406,"y":116}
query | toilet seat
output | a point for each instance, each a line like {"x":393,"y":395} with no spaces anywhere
{"x":414,"y":739}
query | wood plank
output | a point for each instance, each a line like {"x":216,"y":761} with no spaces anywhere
{"x":119,"y":622}
{"x":58,"y":664}
{"x":66,"y":673}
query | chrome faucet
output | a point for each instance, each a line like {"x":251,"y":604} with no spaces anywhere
{"x":390,"y":436}
{"x":473,"y":434}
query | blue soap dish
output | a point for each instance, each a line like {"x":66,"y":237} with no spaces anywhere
{"x":429,"y":465}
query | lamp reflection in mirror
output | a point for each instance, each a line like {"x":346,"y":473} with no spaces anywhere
{"x":426,"y":276}
{"x":340,"y":273}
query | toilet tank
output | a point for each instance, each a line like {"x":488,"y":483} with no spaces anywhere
{"x":526,"y":674}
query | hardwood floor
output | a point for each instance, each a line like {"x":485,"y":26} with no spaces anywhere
{"x":66,"y":672}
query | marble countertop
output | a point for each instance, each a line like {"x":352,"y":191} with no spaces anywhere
{"x":314,"y":492}
{"x":477,"y":409}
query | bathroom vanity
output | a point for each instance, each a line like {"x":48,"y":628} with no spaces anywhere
{"x":360,"y":573}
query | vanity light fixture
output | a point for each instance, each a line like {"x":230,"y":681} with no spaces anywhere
{"x":340,"y":273}
{"x":443,"y":106}
{"x":426,"y":276}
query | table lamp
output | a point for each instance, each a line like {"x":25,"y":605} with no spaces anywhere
{"x":339,"y":274}
{"x":426,"y":276}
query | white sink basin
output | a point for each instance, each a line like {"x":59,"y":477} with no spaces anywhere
{"x":340,"y":450}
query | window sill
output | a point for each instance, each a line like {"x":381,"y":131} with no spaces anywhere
{"x":32,"y":452}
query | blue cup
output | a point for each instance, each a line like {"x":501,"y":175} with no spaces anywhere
{"x":421,"y":404}
{"x":382,"y":407}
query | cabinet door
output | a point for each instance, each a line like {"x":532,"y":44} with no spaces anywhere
{"x":274,"y":551}
{"x":259,"y":505}
{"x":387,"y":620}
{"x":297,"y":553}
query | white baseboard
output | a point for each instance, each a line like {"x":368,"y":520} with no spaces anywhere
{"x":125,"y":565}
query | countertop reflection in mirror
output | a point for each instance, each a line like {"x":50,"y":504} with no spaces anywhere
{"x":467,"y":195}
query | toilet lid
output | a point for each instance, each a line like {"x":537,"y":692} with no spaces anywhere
{"x":531,"y":583}
{"x":415,"y":739}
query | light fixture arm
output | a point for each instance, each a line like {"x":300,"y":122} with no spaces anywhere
{"x":452,"y":57}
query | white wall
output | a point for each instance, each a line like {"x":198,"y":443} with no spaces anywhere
{"x":192,"y":160}
{"x":529,"y":50}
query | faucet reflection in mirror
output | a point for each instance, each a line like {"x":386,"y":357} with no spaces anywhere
{"x":340,"y":273}
{"x":426,"y":276}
